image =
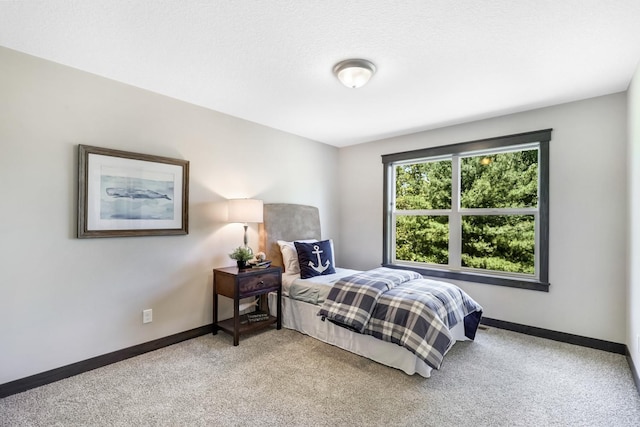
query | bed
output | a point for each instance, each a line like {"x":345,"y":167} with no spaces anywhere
{"x":308,"y":305}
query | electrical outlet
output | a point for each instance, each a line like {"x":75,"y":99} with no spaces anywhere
{"x":147,"y":315}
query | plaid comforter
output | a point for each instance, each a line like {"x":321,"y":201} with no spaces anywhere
{"x":402,"y":307}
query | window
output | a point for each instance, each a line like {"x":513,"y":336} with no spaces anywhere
{"x":475,"y":211}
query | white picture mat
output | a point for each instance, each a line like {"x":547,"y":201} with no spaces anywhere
{"x":98,"y":164}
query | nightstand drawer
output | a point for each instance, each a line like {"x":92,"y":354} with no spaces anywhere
{"x":257,"y":282}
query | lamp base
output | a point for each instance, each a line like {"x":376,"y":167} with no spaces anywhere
{"x":246,"y":239}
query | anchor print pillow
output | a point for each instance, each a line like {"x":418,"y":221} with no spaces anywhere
{"x":315,"y":259}
{"x":290,"y":255}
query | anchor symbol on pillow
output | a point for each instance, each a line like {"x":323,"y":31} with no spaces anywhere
{"x":319,"y":268}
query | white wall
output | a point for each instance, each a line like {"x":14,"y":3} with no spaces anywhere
{"x":62,"y":299}
{"x":633,"y":300}
{"x":588,"y":203}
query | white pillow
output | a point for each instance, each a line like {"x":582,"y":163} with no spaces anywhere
{"x":290,"y":255}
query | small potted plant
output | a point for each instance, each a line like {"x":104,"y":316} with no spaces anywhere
{"x":241,"y":254}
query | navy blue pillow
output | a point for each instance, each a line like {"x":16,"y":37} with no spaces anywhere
{"x":315,"y":258}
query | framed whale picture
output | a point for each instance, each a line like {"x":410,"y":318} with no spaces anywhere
{"x":122,"y":194}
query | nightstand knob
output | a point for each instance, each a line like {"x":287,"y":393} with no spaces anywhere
{"x":261,"y":282}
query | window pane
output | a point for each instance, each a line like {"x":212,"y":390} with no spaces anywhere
{"x":422,"y":239}
{"x":424,"y":185}
{"x":503,"y":180}
{"x":499,"y":242}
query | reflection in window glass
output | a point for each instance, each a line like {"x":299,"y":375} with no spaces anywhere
{"x":501,"y":180}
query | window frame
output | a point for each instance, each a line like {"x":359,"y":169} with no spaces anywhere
{"x":540,"y":137}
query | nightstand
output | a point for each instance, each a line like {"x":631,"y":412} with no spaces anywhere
{"x":237,"y":284}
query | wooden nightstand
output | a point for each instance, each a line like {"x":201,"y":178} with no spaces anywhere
{"x":237,"y":284}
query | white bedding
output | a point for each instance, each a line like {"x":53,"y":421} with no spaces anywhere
{"x":288,"y":279}
{"x":301,"y":316}
{"x":313,"y":290}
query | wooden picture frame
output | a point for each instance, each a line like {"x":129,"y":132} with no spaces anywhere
{"x":124,"y":194}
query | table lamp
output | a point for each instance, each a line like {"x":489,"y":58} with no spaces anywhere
{"x":245,"y":211}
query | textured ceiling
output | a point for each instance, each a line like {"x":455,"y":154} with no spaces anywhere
{"x":439,"y":62}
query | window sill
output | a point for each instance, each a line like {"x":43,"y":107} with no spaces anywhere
{"x":533,"y":285}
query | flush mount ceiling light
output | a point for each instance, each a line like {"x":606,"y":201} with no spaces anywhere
{"x":354,"y":73}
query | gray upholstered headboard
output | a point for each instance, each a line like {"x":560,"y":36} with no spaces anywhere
{"x":283,"y":221}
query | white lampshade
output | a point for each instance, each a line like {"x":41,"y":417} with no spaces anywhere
{"x":354,"y":73}
{"x":245,"y":210}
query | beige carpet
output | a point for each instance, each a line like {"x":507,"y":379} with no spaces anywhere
{"x":280,"y":378}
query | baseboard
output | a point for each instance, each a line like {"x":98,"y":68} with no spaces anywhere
{"x":37,"y":380}
{"x":634,"y":372}
{"x":609,"y":346}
